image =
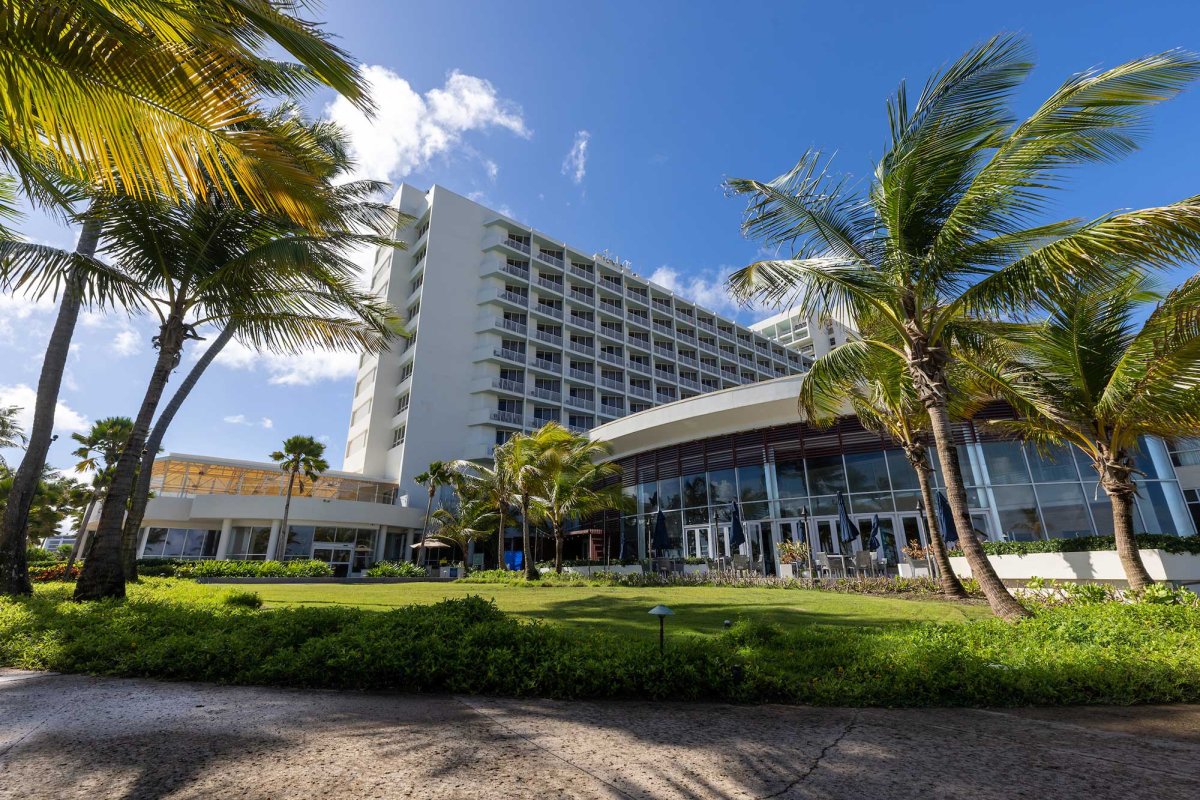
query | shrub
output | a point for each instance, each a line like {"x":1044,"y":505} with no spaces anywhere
{"x":179,"y":568}
{"x":396,"y":569}
{"x":53,"y":572}
{"x":37,"y":555}
{"x":1145,"y":541}
{"x":243,"y":599}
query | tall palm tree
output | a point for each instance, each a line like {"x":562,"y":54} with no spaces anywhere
{"x":11,"y":434}
{"x":493,"y":484}
{"x":577,"y":485}
{"x":1091,"y":377}
{"x":439,"y":474}
{"x":471,"y":521}
{"x":98,"y":452}
{"x":532,"y":459}
{"x":300,"y":454}
{"x":940,"y":236}
{"x":82,"y":85}
{"x":883,"y":399}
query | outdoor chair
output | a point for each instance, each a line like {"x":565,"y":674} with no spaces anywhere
{"x":662,"y":566}
{"x":741,"y":565}
{"x":826,"y":567}
{"x":864,"y":562}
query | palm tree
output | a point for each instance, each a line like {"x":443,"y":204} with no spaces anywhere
{"x":82,"y":85}
{"x":470,"y":522}
{"x":494,"y":486}
{"x":532,"y":459}
{"x":299,"y":454}
{"x":883,"y":399}
{"x":577,"y":485}
{"x":1089,"y":376}
{"x":11,"y":434}
{"x":940,"y":237}
{"x":98,"y":452}
{"x":439,"y":474}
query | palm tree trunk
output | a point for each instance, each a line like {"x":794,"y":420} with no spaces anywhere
{"x":1002,"y":602}
{"x":558,"y":548}
{"x":500,"y":546}
{"x":1116,"y":476}
{"x":82,"y":534}
{"x":281,"y":541}
{"x":141,"y":491}
{"x":531,"y":572}
{"x":14,"y":569}
{"x":104,"y":571}
{"x":951,"y":586}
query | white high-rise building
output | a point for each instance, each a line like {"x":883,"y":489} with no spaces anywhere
{"x":809,"y":335}
{"x":513,"y":328}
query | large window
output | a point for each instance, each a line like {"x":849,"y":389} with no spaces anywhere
{"x":1064,"y":510}
{"x":249,"y":543}
{"x":867,"y":472}
{"x":180,"y":543}
{"x":1185,"y":452}
{"x":826,"y":475}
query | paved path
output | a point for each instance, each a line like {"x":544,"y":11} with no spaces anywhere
{"x":81,"y":737}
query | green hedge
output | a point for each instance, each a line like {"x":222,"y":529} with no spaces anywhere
{"x":396,"y":569}
{"x":1146,"y":541}
{"x":179,"y":568}
{"x":1067,"y":654}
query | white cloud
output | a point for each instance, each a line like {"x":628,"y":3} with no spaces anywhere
{"x":410,"y":129}
{"x":66,"y":419}
{"x":126,"y":343}
{"x":575,"y":164}
{"x":17,"y":308}
{"x":267,"y":423}
{"x":235,"y":419}
{"x":298,"y":369}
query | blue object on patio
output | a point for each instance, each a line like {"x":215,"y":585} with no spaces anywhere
{"x":874,"y":543}
{"x":849,"y":530}
{"x":660,"y":541}
{"x":945,"y":518}
{"x":514,"y":559}
{"x":737,"y":535}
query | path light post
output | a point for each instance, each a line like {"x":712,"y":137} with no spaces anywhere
{"x":812,"y":564}
{"x":662,"y":612}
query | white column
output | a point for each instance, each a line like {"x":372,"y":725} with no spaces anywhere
{"x":380,"y":541}
{"x":145,"y":534}
{"x":273,"y":541}
{"x":223,"y":542}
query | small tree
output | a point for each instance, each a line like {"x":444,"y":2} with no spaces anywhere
{"x":471,"y":522}
{"x":11,"y":434}
{"x":532,"y":460}
{"x":576,"y":486}
{"x":98,"y":451}
{"x":300,"y":454}
{"x":439,"y":474}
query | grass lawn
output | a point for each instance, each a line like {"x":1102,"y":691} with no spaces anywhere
{"x":623,"y":610}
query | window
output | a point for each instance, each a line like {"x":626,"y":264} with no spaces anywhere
{"x":360,"y":413}
{"x":1185,"y":452}
{"x":398,"y":436}
{"x":364,"y":382}
{"x":413,"y":310}
{"x":509,"y":406}
{"x":1192,"y":496}
{"x":415,"y":283}
{"x":180,"y":543}
{"x":406,"y":372}
{"x":423,"y":228}
{"x":402,"y":403}
{"x":356,"y":444}
{"x":249,"y":543}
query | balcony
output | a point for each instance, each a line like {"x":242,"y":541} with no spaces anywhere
{"x":548,"y":310}
{"x":521,"y":247}
{"x":511,"y":325}
{"x":727,"y":334}
{"x":579,"y":297}
{"x":545,"y":394}
{"x":691,"y":384}
{"x":638,"y":366}
{"x":581,"y":402}
{"x":661,"y":397}
{"x":516,"y":272}
{"x":508,"y":418}
{"x":547,"y":365}
{"x":664,"y":329}
{"x":708,"y":326}
{"x":549,"y":338}
{"x":546,"y":283}
{"x":581,"y":322}
{"x":685,"y":314}
{"x":762,"y":348}
{"x":609,"y":307}
{"x":580,"y":347}
{"x":611,"y":411}
{"x":639,"y":319}
{"x":638,"y":391}
{"x":664,"y":374}
{"x":539,"y":421}
{"x":639,"y":343}
{"x":661,"y":305}
{"x":549,"y":259}
{"x":505,"y":385}
{"x":512,"y":355}
{"x":609,"y":383}
{"x":710,"y":367}
{"x":638,"y":296}
{"x":512,"y":297}
{"x":616,"y":334}
{"x":578,"y":430}
{"x":612,"y":358}
{"x":581,"y":375}
{"x":691,"y":362}
{"x":582,"y":273}
{"x":747,"y":360}
{"x":664,"y":352}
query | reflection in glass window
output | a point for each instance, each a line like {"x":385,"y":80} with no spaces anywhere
{"x":903,"y":475}
{"x":1056,"y":465}
{"x":1064,"y":510}
{"x":1018,"y":513}
{"x":299,"y":541}
{"x":722,"y":486}
{"x":1156,"y":512}
{"x":756,"y":511}
{"x":826,"y":475}
{"x":1005,"y":462}
{"x":695,"y":490}
{"x":871,"y":503}
{"x":964,"y":466}
{"x":789,"y":478}
{"x":647,"y":497}
{"x":668,"y":494}
{"x":1102,"y":514}
{"x":867,"y":472}
{"x":752,"y":483}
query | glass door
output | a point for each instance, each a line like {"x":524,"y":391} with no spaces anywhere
{"x":337,"y":556}
{"x":697,"y":542}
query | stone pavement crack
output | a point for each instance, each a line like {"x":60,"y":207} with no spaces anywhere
{"x":543,"y":748}
{"x":816,"y":761}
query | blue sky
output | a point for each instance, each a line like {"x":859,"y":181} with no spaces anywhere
{"x":670,"y":98}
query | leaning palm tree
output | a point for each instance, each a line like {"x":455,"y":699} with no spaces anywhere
{"x":83,"y":85}
{"x":532,"y":460}
{"x":300,"y":454}
{"x":940,"y":234}
{"x":578,"y":484}
{"x":439,"y":474}
{"x":98,"y":452}
{"x":883,"y":399}
{"x":1091,"y":377}
{"x":472,"y":521}
{"x":493,"y":484}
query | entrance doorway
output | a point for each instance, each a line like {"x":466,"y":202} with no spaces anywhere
{"x":337,"y":556}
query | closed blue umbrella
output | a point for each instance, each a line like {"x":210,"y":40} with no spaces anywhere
{"x":737,"y":536}
{"x":945,"y":518}
{"x":849,"y":530}
{"x":874,"y":543}
{"x":660,"y":541}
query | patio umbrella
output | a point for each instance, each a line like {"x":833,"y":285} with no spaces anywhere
{"x":945,"y":518}
{"x":737,"y":536}
{"x":874,"y":543}
{"x":660,"y":541}
{"x":849,"y":531}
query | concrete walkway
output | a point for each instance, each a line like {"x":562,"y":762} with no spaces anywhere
{"x":81,"y":737}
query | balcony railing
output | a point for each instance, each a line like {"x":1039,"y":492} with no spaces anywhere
{"x":638,"y":366}
{"x":512,"y":297}
{"x":691,"y":384}
{"x":549,"y":259}
{"x":609,"y":383}
{"x":611,"y":411}
{"x":504,"y":384}
{"x":685,"y":314}
{"x":638,"y":296}
{"x":514,"y":244}
{"x":511,"y":325}
{"x":549,"y":338}
{"x":661,"y":328}
{"x":581,"y":402}
{"x":582,"y":322}
{"x":611,"y":358}
{"x":691,"y":362}
{"x":580,"y":347}
{"x":516,"y":272}
{"x":662,"y":397}
{"x":612,"y":284}
{"x":638,"y":391}
{"x":661,"y":305}
{"x":724,"y":334}
{"x":508,"y":417}
{"x":548,"y":310}
{"x":580,"y":297}
{"x":614,"y":333}
{"x":545,"y":394}
{"x":687,"y":335}
{"x":581,"y":374}
{"x":611,"y":307}
{"x":639,"y":319}
{"x":708,"y":326}
{"x":547,"y":365}
{"x":511,"y":355}
{"x":582,"y":273}
{"x":546,"y":283}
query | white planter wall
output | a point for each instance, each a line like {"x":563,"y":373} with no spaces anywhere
{"x":1093,"y":565}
